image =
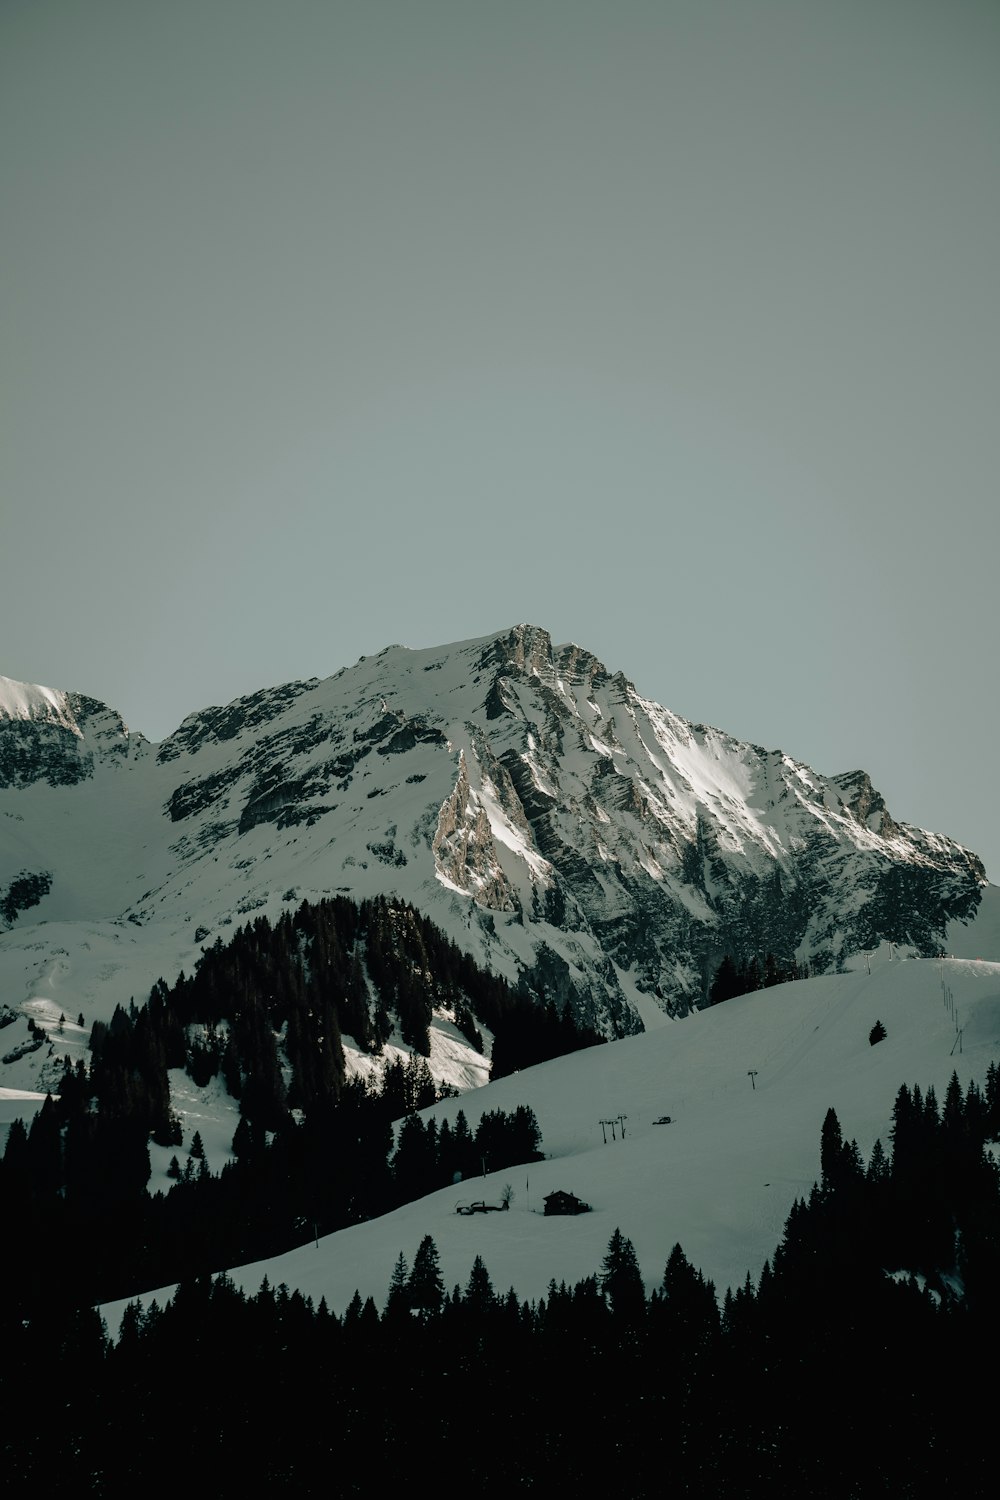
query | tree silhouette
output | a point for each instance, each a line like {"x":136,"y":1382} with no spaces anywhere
{"x":426,"y":1289}
{"x":621,"y":1279}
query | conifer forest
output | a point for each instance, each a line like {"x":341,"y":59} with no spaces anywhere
{"x":813,"y":1382}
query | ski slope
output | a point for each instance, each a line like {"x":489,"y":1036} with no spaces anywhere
{"x":722,"y":1176}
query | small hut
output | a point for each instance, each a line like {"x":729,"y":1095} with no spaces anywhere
{"x":565,"y":1203}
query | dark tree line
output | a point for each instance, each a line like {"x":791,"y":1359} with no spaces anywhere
{"x":76,"y":1177}
{"x":526,"y":1034}
{"x":267,"y":1012}
{"x":741,"y":976}
{"x":830,"y":1377}
{"x":335,"y":968}
{"x":313,"y":1150}
{"x":429,"y":1156}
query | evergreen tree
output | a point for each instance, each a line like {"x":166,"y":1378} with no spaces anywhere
{"x":688,"y":1311}
{"x":480,"y":1297}
{"x":397,"y":1303}
{"x":621,"y":1279}
{"x":727,"y":984}
{"x":878,"y":1166}
{"x":903,"y":1133}
{"x":831,"y":1149}
{"x":992,"y":1102}
{"x":463,"y":1146}
{"x":415,"y":1163}
{"x":425,"y":1287}
{"x":526,"y":1136}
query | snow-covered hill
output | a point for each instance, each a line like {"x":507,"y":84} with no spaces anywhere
{"x":721,"y":1177}
{"x":561,"y":828}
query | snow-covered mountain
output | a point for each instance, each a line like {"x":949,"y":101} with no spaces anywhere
{"x":566,"y":831}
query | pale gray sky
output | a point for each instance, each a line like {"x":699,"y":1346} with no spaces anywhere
{"x":672,"y":327}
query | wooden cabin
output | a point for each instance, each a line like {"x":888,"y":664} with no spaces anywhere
{"x":565,"y":1203}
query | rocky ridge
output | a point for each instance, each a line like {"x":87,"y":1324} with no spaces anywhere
{"x":559,"y":826}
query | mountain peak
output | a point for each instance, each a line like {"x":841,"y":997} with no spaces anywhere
{"x":525,"y":648}
{"x":589,"y":845}
{"x":30,"y":701}
{"x":58,"y":737}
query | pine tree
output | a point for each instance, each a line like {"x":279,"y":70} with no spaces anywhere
{"x":352,"y":1315}
{"x":727,"y":984}
{"x":464,"y":1146}
{"x":903,"y":1132}
{"x":878,"y":1166}
{"x":953,"y":1114}
{"x":830,"y":1150}
{"x":480,"y":1297}
{"x":526,"y":1136}
{"x":621,"y":1279}
{"x":413,"y":1167}
{"x":425,"y":1286}
{"x":992,"y":1097}
{"x":397,"y":1303}
{"x":689,"y":1313}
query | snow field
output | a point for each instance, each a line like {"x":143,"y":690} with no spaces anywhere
{"x":721,"y":1178}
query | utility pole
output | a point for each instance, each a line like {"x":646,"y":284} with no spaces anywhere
{"x":752,"y":1074}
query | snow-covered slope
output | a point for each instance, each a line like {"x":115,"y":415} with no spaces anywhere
{"x":721,"y":1177}
{"x":560,"y":827}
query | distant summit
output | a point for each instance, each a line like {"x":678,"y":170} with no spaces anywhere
{"x":587,"y":844}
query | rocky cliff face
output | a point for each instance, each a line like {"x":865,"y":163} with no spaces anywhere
{"x":56,"y":738}
{"x":559,"y":825}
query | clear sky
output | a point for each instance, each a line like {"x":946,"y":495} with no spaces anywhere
{"x":671,"y":326}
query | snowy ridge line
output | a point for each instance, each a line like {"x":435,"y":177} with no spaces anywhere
{"x":591,"y":831}
{"x":25,"y":700}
